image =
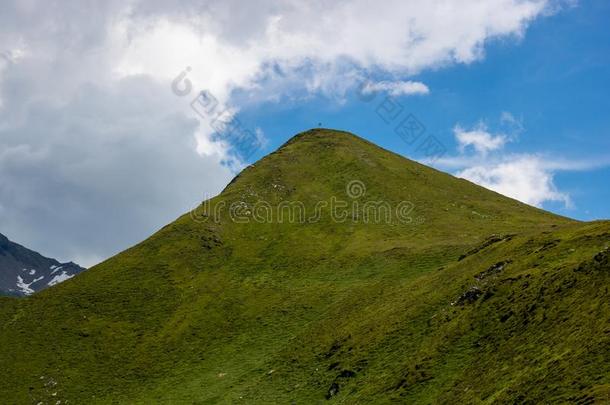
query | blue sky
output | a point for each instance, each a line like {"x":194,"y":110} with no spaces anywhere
{"x":100,"y":145}
{"x":555,"y":81}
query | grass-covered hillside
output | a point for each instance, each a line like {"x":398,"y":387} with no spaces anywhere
{"x":469,"y":297}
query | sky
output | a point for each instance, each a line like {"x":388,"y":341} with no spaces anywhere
{"x":116,"y":117}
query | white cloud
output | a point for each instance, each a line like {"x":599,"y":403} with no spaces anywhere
{"x":523,"y":177}
{"x":232,"y":45}
{"x":458,"y":162}
{"x":405,"y":36}
{"x":526,"y":177}
{"x":397,"y":88}
{"x":479,"y":138}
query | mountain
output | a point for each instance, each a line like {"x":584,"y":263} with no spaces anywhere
{"x":458,"y":295}
{"x":23,"y":271}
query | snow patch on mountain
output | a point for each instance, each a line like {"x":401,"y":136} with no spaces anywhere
{"x":60,"y":278}
{"x":25,"y":287}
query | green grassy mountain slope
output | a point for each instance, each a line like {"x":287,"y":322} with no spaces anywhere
{"x":466,"y":297}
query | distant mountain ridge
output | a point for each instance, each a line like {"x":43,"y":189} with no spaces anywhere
{"x":24,"y":271}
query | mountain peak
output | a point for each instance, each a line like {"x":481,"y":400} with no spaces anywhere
{"x":320,"y":164}
{"x":24,"y":271}
{"x":326,"y":137}
{"x":322,"y":134}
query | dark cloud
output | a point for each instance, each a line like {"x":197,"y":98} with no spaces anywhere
{"x":85,"y":179}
